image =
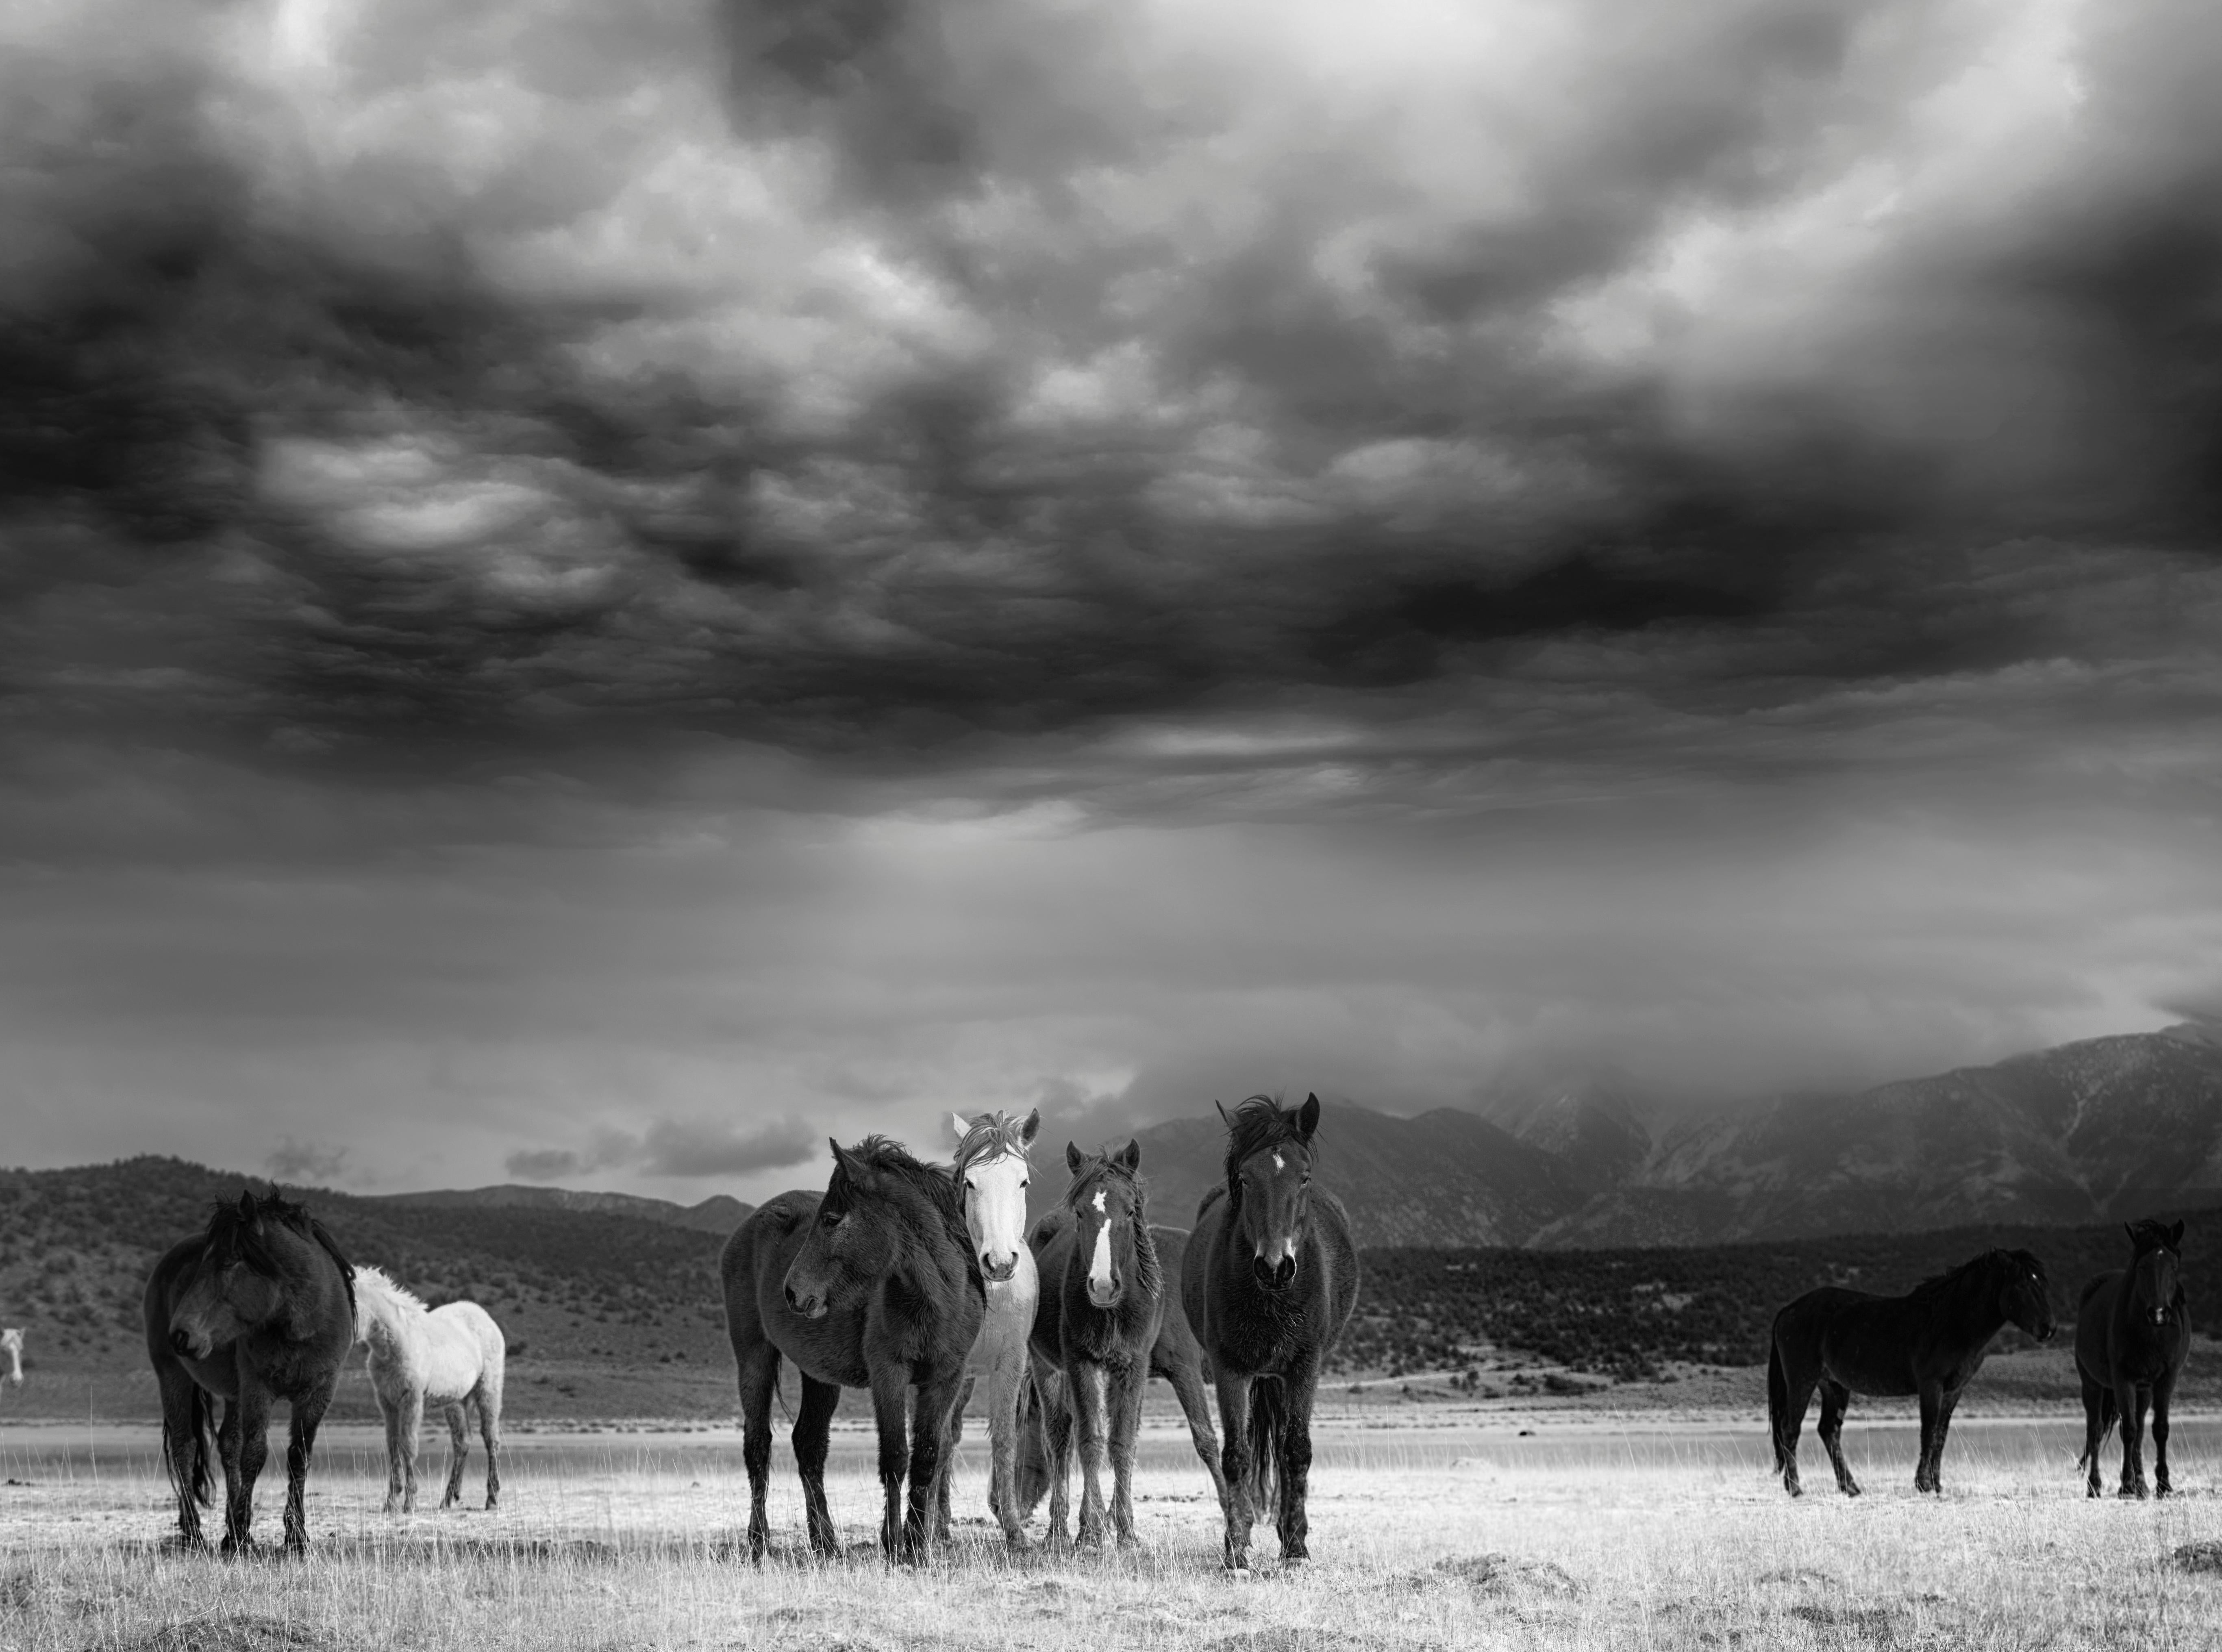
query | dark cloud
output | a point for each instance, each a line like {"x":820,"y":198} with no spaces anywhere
{"x":673,"y":1148}
{"x":306,"y":1161}
{"x":1198,"y":374}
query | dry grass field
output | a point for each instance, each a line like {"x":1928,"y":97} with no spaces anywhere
{"x":1637,"y":1531}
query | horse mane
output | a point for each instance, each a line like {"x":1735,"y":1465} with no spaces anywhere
{"x":1259,"y":1123}
{"x":933,"y":1183}
{"x":1151,"y":1275}
{"x":1939,"y":1286}
{"x":2148,"y":1234}
{"x":991,"y":1135}
{"x":230,"y":1232}
{"x":383,"y":1286}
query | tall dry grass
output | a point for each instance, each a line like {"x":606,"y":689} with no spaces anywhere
{"x":1588,"y":1536}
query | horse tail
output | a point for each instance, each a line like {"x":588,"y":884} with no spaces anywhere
{"x":1269,"y":1425}
{"x":1778,"y":1399}
{"x":200,"y":1424}
{"x":2108,"y":1414}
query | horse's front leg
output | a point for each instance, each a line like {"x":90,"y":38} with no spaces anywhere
{"x":300,"y":1446}
{"x":246,"y":1445}
{"x":2163,"y":1391}
{"x":1006,"y":1383}
{"x":1932,"y":1405}
{"x":1085,"y":1382}
{"x":937,"y":1407}
{"x":1299,"y":1388}
{"x":1235,"y":1465}
{"x":2132,"y":1400}
{"x":889,"y":1395}
{"x":1129,"y":1383}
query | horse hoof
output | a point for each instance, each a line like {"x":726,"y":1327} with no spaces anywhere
{"x":1850,"y":1489}
{"x":1018,"y":1542}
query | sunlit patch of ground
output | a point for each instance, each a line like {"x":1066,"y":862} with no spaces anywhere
{"x":1575,"y":1535}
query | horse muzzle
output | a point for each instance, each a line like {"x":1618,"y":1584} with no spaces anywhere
{"x":185,"y":1345}
{"x":1106,"y":1294}
{"x":1276,"y":1275}
{"x":810,"y":1306}
{"x":998,"y":1272}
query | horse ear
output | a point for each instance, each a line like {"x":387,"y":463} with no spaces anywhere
{"x":1131,"y":1155}
{"x":1030,"y":1128}
{"x":1224,"y":1117}
{"x":958,"y":1126}
{"x":1073,"y":1158}
{"x":2175,"y":1235}
{"x":246,"y":1204}
{"x":1308,"y":1118}
{"x":2130,"y":1228}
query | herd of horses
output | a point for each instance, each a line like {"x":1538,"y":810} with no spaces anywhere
{"x":912,"y":1280}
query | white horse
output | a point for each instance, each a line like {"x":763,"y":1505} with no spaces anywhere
{"x":991,"y":1172}
{"x":11,"y":1344}
{"x":449,"y":1357}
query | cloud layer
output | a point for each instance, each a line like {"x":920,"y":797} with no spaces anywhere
{"x":630,"y":584}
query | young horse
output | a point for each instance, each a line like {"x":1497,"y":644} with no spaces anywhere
{"x":2132,"y":1332}
{"x":1098,"y":1320}
{"x":451,"y":1356}
{"x":991,"y":1174}
{"x":1269,"y":1282}
{"x":873,"y":1285}
{"x":1047,"y":1420}
{"x":11,"y":1344}
{"x":1930,"y":1341}
{"x":261,"y":1307}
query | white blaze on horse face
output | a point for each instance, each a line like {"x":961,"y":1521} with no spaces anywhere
{"x":1099,"y":1259}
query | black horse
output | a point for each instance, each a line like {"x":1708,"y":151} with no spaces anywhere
{"x":1046,"y":1420}
{"x":258,"y":1308}
{"x":1102,"y":1302}
{"x":1269,"y":1282}
{"x":2133,"y":1331}
{"x":873,"y":1285}
{"x":1929,"y":1341}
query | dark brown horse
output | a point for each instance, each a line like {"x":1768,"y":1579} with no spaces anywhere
{"x":1269,"y":1282}
{"x":258,"y":1308}
{"x":2132,"y":1332}
{"x":873,"y":1285}
{"x":1102,"y":1299}
{"x":1930,"y":1342}
{"x":1044,"y":1418}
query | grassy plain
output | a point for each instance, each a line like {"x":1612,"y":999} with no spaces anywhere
{"x":1436,"y":1528}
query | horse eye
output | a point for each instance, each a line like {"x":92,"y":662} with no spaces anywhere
{"x":830,"y":1219}
{"x":1024,"y":1185}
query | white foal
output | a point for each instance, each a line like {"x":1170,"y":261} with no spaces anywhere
{"x":11,"y":1347}
{"x":991,"y":1170}
{"x":449,"y":1357}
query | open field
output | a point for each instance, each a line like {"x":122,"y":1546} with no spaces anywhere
{"x":1589,"y":1532}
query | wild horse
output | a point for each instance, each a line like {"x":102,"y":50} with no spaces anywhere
{"x":1097,"y":1321}
{"x":1269,"y":1282}
{"x":2132,"y":1332}
{"x":1930,"y":1342}
{"x":259,"y":1307}
{"x":992,"y":1174}
{"x":874,"y":1284}
{"x":1047,"y":1418}
{"x":453,"y":1357}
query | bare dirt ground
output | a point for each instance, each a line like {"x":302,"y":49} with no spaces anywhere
{"x":1487,"y":1530}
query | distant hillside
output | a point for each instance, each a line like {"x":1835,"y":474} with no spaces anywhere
{"x":76,"y":1245}
{"x":719,"y":1213}
{"x":1633,"y":1314}
{"x":1445,"y":1178}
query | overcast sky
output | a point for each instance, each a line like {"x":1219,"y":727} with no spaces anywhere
{"x":595,"y":593}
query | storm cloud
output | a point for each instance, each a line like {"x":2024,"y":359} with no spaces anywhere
{"x":541,"y":556}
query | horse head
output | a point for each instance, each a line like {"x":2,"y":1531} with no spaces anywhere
{"x":2024,"y":1294}
{"x":1269,"y":1178}
{"x":234,"y":1287}
{"x":991,"y":1174}
{"x":1107,"y":1208}
{"x":2156,"y":1270}
{"x":844,"y":1248}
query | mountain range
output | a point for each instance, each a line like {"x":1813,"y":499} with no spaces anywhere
{"x":2101,"y":1128}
